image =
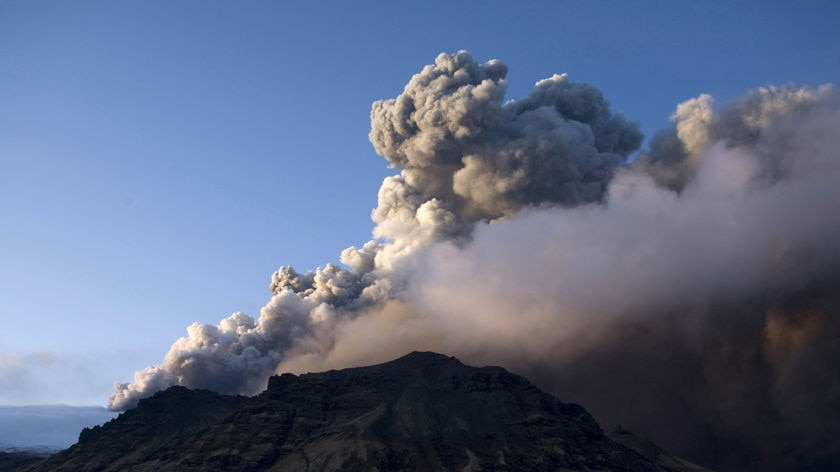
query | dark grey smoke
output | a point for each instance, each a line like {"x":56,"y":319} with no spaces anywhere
{"x":460,"y":145}
{"x":693,"y":295}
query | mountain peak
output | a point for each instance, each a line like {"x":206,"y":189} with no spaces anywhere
{"x":423,"y":411}
{"x":423,"y":358}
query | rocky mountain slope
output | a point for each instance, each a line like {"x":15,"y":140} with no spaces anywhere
{"x":421,"y":412}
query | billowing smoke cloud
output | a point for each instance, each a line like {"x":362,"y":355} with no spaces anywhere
{"x":467,"y":156}
{"x":692,"y":295}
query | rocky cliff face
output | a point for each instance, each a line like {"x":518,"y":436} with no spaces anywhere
{"x":421,"y":412}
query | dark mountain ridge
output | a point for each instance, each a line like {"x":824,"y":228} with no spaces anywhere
{"x":421,"y":412}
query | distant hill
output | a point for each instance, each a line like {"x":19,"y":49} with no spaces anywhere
{"x":422,"y":412}
{"x":47,"y":428}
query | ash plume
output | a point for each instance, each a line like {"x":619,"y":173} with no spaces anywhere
{"x":692,"y":295}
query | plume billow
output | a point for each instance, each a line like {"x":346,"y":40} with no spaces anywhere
{"x":701,"y":281}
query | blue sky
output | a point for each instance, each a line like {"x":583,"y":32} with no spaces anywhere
{"x":159,"y":160}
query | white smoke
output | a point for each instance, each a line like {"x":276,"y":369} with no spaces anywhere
{"x":693,"y":294}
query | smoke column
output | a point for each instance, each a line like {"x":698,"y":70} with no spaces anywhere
{"x":692,"y":295}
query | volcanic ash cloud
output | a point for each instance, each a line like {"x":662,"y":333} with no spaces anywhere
{"x":466,"y":157}
{"x":692,"y":294}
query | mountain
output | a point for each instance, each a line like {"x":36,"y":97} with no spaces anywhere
{"x":421,"y":412}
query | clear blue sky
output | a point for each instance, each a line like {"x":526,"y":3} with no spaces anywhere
{"x":159,"y":160}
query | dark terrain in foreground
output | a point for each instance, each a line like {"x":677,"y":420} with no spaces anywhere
{"x":422,"y":412}
{"x":14,"y":460}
